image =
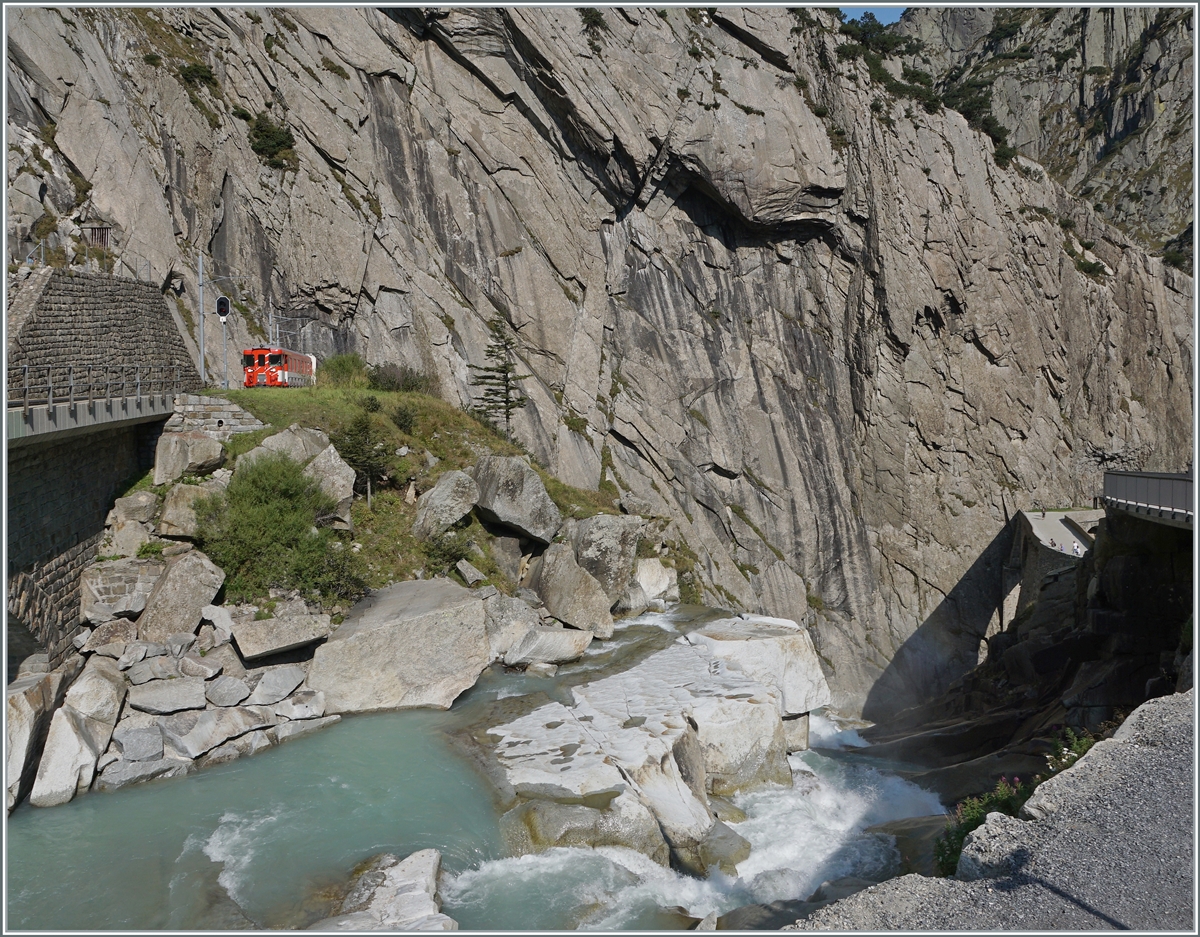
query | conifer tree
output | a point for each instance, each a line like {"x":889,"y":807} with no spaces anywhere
{"x":498,"y":379}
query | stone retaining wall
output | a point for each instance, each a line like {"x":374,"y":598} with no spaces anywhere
{"x":215,"y":416}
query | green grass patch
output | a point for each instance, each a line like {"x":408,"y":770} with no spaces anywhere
{"x":150,"y":550}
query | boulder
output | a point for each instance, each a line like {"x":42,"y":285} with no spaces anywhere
{"x":571,"y":594}
{"x":117,"y":588}
{"x":548,"y":646}
{"x":121,"y":773}
{"x":138,"y":507}
{"x":249,"y":744}
{"x":303,"y":704}
{"x":168,"y":696}
{"x":226,"y":691}
{"x":418,"y":643}
{"x":286,"y":731}
{"x":470,"y":574}
{"x":394,"y":895}
{"x":193,"y":665}
{"x":633,"y":600}
{"x":606,"y":547}
{"x":507,"y":620}
{"x":537,"y":825}
{"x":657,"y":581}
{"x":30,"y":702}
{"x":68,"y":762}
{"x":178,"y":518}
{"x":189,"y":583}
{"x":189,"y":453}
{"x":337,"y":481}
{"x":271,"y":635}
{"x":118,"y":631}
{"x":445,"y":504}
{"x":296,"y":442}
{"x":37,"y":663}
{"x":774,"y":651}
{"x":512,"y":494}
{"x":507,"y":553}
{"x":97,"y":695}
{"x":541,"y":669}
{"x":126,"y":538}
{"x":275,"y":684}
{"x":143,"y":743}
{"x":162,"y":667}
{"x":219,"y":725}
{"x":227,"y":657}
{"x":179,"y":643}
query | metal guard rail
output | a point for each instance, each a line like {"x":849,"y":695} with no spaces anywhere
{"x":37,"y":385}
{"x":1145,"y":492}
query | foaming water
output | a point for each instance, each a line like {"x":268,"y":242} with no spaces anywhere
{"x":827,"y":731}
{"x":800,"y":837}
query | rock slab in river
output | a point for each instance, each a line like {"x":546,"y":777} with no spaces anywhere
{"x":393,"y":894}
{"x":419,"y":643}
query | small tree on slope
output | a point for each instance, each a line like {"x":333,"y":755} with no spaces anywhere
{"x":500,"y":395}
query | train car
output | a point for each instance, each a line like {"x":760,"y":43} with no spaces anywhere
{"x":278,"y":367}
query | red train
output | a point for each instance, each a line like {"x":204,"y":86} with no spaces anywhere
{"x":278,"y":367}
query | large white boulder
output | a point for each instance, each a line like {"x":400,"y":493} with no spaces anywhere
{"x":774,"y":651}
{"x":189,"y":583}
{"x":445,"y":504}
{"x":272,"y":635}
{"x":296,"y":442}
{"x":393,"y":894}
{"x":548,"y":646}
{"x":571,"y":594}
{"x":657,"y":581}
{"x":419,"y":643}
{"x":30,"y":702}
{"x":510,"y":493}
{"x":189,"y":453}
{"x":337,"y":481}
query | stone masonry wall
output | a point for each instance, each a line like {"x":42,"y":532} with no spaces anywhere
{"x":58,"y":496}
{"x":216,"y":416}
{"x":90,"y":320}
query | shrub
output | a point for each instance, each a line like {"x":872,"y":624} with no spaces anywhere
{"x":371,"y":403}
{"x":150,"y":549}
{"x":392,"y":377}
{"x":593,"y":22}
{"x":242,"y":114}
{"x":364,"y":448}
{"x":272,"y":142}
{"x":346,"y":370}
{"x":445,"y":551}
{"x":332,"y":66}
{"x":152,"y":58}
{"x":1093,"y":268}
{"x":195,"y":74}
{"x":1176,"y":259}
{"x":262,"y":531}
{"x":405,"y":418}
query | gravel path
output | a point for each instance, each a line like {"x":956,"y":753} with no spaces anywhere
{"x":1111,"y":847}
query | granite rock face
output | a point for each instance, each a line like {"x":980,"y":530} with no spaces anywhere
{"x":831,"y":349}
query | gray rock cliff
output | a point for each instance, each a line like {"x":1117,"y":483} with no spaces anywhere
{"x":819,"y":333}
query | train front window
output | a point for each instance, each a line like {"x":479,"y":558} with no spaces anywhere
{"x":247,"y":361}
{"x":261,"y":360}
{"x":274,"y":359}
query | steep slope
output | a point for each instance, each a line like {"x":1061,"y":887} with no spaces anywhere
{"x":1102,"y":98}
{"x":814,"y":329}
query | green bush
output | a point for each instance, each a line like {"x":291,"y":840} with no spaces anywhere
{"x":371,"y":403}
{"x":405,"y":418}
{"x":392,"y":377}
{"x":1175,"y":259}
{"x":262,"y":531}
{"x":346,"y":370}
{"x":152,"y":58}
{"x":272,"y":142}
{"x":242,"y":114}
{"x":445,"y":551}
{"x":196,"y":74}
{"x":364,"y":448}
{"x":151,"y":549}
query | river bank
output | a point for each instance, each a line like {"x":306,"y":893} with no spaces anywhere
{"x":268,"y":841}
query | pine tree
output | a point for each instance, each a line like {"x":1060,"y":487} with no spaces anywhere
{"x":501,"y":395}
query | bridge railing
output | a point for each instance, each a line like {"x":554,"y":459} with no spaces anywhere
{"x":38,"y":385}
{"x":1159,"y":493}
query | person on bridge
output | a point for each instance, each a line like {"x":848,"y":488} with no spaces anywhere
{"x":1075,"y":547}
